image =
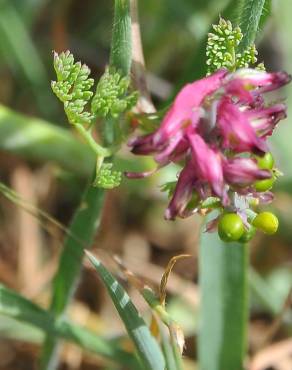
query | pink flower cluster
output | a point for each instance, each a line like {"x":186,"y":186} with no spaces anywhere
{"x":216,"y":126}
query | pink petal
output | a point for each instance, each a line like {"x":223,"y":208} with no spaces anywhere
{"x":186,"y":104}
{"x":262,"y":80}
{"x":140,"y":175}
{"x":264,"y":120}
{"x":243,"y":171}
{"x":182,"y":194}
{"x":236,"y":130}
{"x":207,"y":163}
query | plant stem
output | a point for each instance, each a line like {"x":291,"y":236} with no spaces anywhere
{"x":249,"y":15}
{"x":87,"y":218}
{"x":99,"y":150}
{"x":224,"y":304}
{"x":223,"y":267}
{"x":121,"y":47}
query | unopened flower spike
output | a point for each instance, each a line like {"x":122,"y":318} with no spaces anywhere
{"x":222,"y":49}
{"x":82,"y":107}
{"x":112,"y":97}
{"x":218,"y":127}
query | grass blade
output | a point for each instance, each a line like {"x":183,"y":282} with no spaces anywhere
{"x":38,"y":140}
{"x":19,"y":47}
{"x":224,"y":307}
{"x":19,"y":308}
{"x":147,"y":347}
{"x":84,"y":226}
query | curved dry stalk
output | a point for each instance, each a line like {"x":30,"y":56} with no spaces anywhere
{"x":144,"y":104}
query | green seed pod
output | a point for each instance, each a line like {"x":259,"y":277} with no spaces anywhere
{"x":267,"y":222}
{"x":264,"y":185}
{"x":230,"y":227}
{"x":266,"y":162}
{"x":248,"y":235}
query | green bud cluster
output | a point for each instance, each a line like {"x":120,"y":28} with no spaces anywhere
{"x":111,"y":98}
{"x":107,"y":178}
{"x":73,"y":87}
{"x":222,"y":49}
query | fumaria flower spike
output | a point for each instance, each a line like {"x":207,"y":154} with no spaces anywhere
{"x":219,"y":127}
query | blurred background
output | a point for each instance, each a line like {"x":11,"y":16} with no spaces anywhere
{"x":50,"y":175}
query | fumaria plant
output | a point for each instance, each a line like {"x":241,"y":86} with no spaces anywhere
{"x":217,"y":129}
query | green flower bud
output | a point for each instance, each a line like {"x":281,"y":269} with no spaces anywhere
{"x":230,"y":227}
{"x":264,"y":185}
{"x":267,"y":222}
{"x":248,"y":235}
{"x":266,"y":162}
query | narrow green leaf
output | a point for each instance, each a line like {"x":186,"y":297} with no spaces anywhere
{"x":41,"y":141}
{"x":19,"y":308}
{"x":249,"y":16}
{"x":224,"y":308}
{"x":267,"y":10}
{"x":168,"y":351}
{"x":84,"y":226}
{"x":20,"y":48}
{"x":147,"y":347}
{"x":16,"y":330}
{"x":121,"y":46}
{"x":16,"y":306}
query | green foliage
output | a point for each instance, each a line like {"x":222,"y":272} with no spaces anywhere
{"x":249,"y":17}
{"x":223,"y":49}
{"x":73,"y":87}
{"x":224,"y":303}
{"x":15,"y":306}
{"x":146,"y":345}
{"x":42,"y":141}
{"x":111,"y":98}
{"x":168,"y":188}
{"x":121,"y":45}
{"x":23,"y":57}
{"x":87,"y":218}
{"x":107,"y":178}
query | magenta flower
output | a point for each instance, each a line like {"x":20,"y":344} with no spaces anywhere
{"x":210,"y":124}
{"x":242,"y":172}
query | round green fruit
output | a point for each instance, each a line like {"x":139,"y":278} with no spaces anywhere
{"x":266,"y":162}
{"x":248,"y":235}
{"x":267,"y":222}
{"x":230,"y":227}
